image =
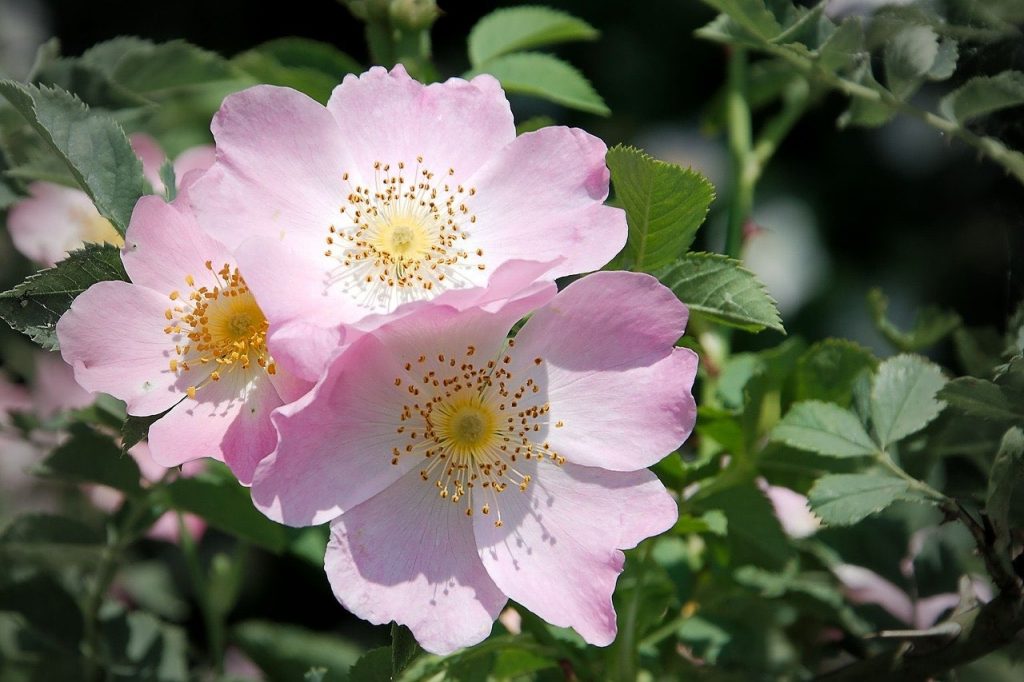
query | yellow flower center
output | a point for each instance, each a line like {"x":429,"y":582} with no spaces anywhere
{"x":222,"y":327}
{"x":405,"y":238}
{"x":98,"y":230}
{"x":474,"y":425}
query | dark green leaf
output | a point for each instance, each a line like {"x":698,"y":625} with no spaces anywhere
{"x":287,"y":652}
{"x":664,"y":203}
{"x":844,"y":45}
{"x":373,"y":666}
{"x":47,"y":608}
{"x":984,"y":95}
{"x":521,"y":28}
{"x":34,"y":306}
{"x":845,"y":499}
{"x":139,"y":642}
{"x":752,"y":15}
{"x":1007,"y":472}
{"x":226,"y":505}
{"x":91,"y":457}
{"x":903,"y":397}
{"x":533,"y":123}
{"x":713,"y":521}
{"x":309,"y":66}
{"x":725,"y":291}
{"x":862,"y":111}
{"x":931,"y":325}
{"x":983,"y":399}
{"x":155,"y":70}
{"x":403,"y":648}
{"x":136,"y":429}
{"x":828,"y":370}
{"x":754,"y":533}
{"x":546,"y":77}
{"x":92,"y":145}
{"x":47,"y":540}
{"x":824,"y":428}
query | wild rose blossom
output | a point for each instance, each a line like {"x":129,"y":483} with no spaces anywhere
{"x":55,"y":219}
{"x":461,"y":469}
{"x":187,"y":336}
{"x":394,"y":192}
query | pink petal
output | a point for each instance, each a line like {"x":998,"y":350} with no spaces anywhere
{"x":404,"y":555}
{"x":558,"y":552}
{"x":280,"y":158}
{"x":164,"y":244}
{"x":542,"y":198}
{"x":389,"y":117}
{"x":55,"y":388}
{"x":113,"y":336}
{"x":229,"y":420}
{"x":864,"y":586}
{"x":612,"y":376}
{"x":193,"y":159}
{"x":52,"y":221}
{"x":335,"y":444}
{"x":152,"y":157}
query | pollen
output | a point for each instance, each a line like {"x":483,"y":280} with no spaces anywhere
{"x":474,"y":426}
{"x":218,"y":327}
{"x":401,"y":237}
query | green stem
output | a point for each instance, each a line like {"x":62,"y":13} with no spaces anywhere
{"x":627,"y":638}
{"x":737,"y":114}
{"x":989,"y":147}
{"x":886,"y":461}
{"x":211,"y":616}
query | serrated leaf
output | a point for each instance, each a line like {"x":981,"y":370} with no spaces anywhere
{"x":93,"y":146}
{"x":845,"y":499}
{"x":843,"y":46}
{"x":286,"y":652}
{"x":34,"y":306}
{"x":824,"y":428}
{"x":522,"y":28}
{"x":224,"y":504}
{"x":665,"y":205}
{"x":931,"y":324}
{"x":984,"y":95}
{"x":981,"y":398}
{"x":752,"y":15}
{"x":157,"y":69}
{"x":944,"y":65}
{"x":903,"y":397}
{"x":865,"y":112}
{"x":546,"y":77}
{"x":721,"y":288}
{"x":373,"y":666}
{"x":91,"y":457}
{"x":136,"y":429}
{"x":909,"y":56}
{"x":1007,"y":471}
{"x":828,"y":370}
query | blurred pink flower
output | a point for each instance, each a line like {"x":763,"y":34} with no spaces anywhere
{"x":55,"y":219}
{"x":461,"y":469}
{"x":186,"y":336}
{"x":394,"y":192}
{"x":791,"y":509}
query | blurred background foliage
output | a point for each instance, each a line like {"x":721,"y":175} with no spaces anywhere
{"x":837,"y":213}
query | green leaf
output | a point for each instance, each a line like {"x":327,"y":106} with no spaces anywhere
{"x":828,"y":370}
{"x":824,"y":428}
{"x":404,"y":648}
{"x":664,"y":203}
{"x":93,"y":146}
{"x":752,"y":15}
{"x":287,"y":652}
{"x":1007,"y":472}
{"x":157,"y":70}
{"x":753,"y":533}
{"x":983,"y":399}
{"x":722,"y":289}
{"x":844,"y":45}
{"x":226,"y":505}
{"x":47,"y":608}
{"x":91,"y":457}
{"x":983,"y":95}
{"x":373,"y":666}
{"x":845,"y":499}
{"x":909,"y":56}
{"x":309,"y":66}
{"x":136,"y":429}
{"x":862,"y":111}
{"x":149,"y":648}
{"x":714,"y":522}
{"x":34,"y":306}
{"x":49,"y":540}
{"x":546,"y":77}
{"x":931,"y":324}
{"x":7,"y":195}
{"x":522,"y":28}
{"x":944,"y":65}
{"x":903,"y":397}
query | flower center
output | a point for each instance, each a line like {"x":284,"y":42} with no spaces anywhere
{"x":474,"y":424}
{"x":223,"y":327}
{"x":403,"y":238}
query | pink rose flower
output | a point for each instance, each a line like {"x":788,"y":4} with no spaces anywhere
{"x":394,"y":192}
{"x":55,"y":219}
{"x":187,"y":336}
{"x":460,"y":469}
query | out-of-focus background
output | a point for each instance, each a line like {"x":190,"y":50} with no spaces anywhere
{"x":837,"y":213}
